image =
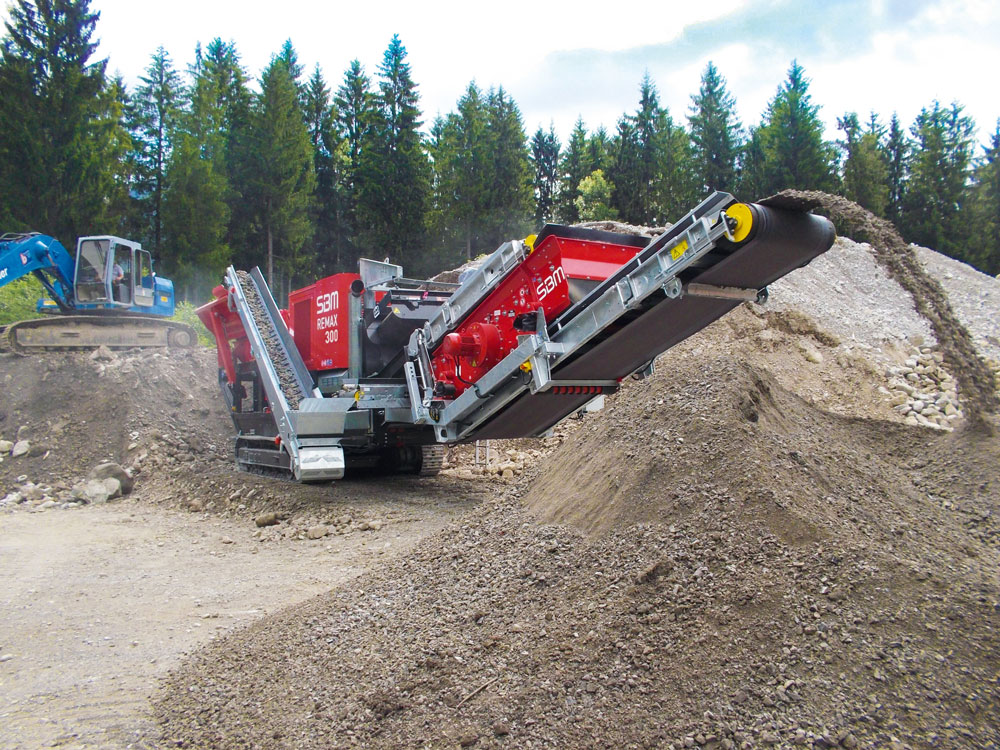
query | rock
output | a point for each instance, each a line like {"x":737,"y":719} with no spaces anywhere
{"x":849,"y":742}
{"x":267,"y":519}
{"x":102,"y":354}
{"x":97,"y":491}
{"x":468,"y":739}
{"x":374,"y":525}
{"x":507,"y":474}
{"x":317,"y":532}
{"x":6,"y":657}
{"x":20,"y":448}
{"x":226,"y":540}
{"x":48,"y":504}
{"x":111,"y":469}
{"x":5,"y":446}
{"x":500,"y":729}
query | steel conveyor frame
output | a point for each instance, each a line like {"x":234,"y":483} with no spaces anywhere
{"x":621,"y":326}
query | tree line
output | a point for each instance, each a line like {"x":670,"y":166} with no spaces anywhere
{"x":208,"y":167}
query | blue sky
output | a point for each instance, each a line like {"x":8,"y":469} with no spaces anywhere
{"x":561,"y":59}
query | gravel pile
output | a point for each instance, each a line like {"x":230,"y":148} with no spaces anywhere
{"x":710,"y":562}
{"x":923,"y":392}
{"x":974,"y":296}
{"x":846,"y":291}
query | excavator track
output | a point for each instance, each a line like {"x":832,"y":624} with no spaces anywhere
{"x":82,"y":332}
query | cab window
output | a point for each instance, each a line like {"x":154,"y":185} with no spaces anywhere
{"x":92,"y":263}
{"x":121,"y":275}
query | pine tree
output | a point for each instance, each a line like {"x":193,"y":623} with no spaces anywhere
{"x":393,"y":184}
{"x":866,"y":173}
{"x":572,"y":169}
{"x":652,"y":171}
{"x":221,"y":84}
{"x":509,"y":190}
{"x":984,"y":245}
{"x":198,"y":197}
{"x":599,"y":151}
{"x":939,"y":169}
{"x":462,"y":154}
{"x":791,"y":140}
{"x":355,"y":106}
{"x":896,"y":154}
{"x":545,"y":158}
{"x":715,"y":133}
{"x":55,"y":121}
{"x":283,"y":178}
{"x":625,"y":172}
{"x":153,"y":115}
{"x":331,"y":244}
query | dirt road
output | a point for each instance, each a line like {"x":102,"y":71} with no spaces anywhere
{"x":101,"y":601}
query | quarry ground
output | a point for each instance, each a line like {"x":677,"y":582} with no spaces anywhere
{"x":101,"y":601}
{"x":752,"y":548}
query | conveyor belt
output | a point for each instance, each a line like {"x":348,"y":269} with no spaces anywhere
{"x":292,"y":386}
{"x":782,"y":241}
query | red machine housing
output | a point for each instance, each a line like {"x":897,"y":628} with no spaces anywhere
{"x":232,"y":345}
{"x":317,"y":319}
{"x":559,"y":272}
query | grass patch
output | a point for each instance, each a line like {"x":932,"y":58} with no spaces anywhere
{"x":184,"y":313}
{"x":19,"y":298}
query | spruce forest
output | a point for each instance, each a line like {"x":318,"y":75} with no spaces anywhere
{"x":301,"y":174}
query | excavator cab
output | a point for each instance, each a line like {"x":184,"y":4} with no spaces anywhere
{"x":113,"y":272}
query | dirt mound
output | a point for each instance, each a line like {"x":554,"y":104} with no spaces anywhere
{"x":732,"y":567}
{"x":137,"y":408}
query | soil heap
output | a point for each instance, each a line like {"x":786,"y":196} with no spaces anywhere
{"x":749,"y":549}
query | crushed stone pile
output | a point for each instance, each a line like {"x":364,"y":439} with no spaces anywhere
{"x":713,"y":561}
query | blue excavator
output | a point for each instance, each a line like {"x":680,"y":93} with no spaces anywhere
{"x":107,"y":295}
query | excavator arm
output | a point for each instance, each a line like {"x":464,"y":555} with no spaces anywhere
{"x":43,"y":256}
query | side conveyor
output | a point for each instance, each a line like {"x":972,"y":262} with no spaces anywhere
{"x":284,"y":376}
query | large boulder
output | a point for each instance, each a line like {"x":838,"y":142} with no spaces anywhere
{"x":97,"y":491}
{"x":113,"y":470}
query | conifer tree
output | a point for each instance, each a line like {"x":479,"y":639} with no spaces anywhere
{"x":153,"y":115}
{"x":572,"y":169}
{"x":545,"y":158}
{"x":865,"y":170}
{"x":55,"y":121}
{"x":393,"y":184}
{"x":509,"y":202}
{"x":330,"y":242}
{"x":462,"y":155}
{"x":282,"y":177}
{"x":197,"y":197}
{"x":939,"y":169}
{"x":791,"y":140}
{"x":896,"y":151}
{"x":984,"y":245}
{"x":599,"y":151}
{"x":354,"y":104}
{"x":715,"y":133}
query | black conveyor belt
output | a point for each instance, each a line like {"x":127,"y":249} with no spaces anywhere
{"x":780,"y":242}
